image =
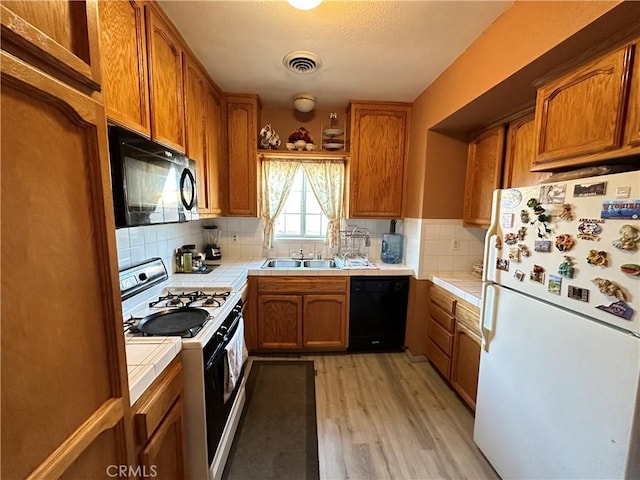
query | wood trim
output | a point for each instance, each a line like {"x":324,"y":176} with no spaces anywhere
{"x":28,"y":38}
{"x":105,"y":418}
{"x":157,"y":400}
{"x":303,"y":156}
{"x":311,"y":285}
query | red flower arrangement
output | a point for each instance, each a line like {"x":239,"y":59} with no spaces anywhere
{"x":300,"y":134}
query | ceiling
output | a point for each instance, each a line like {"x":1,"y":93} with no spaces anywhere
{"x":370,"y":50}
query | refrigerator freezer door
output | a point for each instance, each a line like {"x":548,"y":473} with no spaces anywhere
{"x":517,"y":271}
{"x":557,"y":394}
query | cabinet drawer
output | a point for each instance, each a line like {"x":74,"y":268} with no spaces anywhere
{"x":443,"y":318}
{"x":440,"y":337}
{"x":442,"y":299}
{"x":302,"y":285}
{"x":439,"y":359}
{"x":154,"y":404}
{"x":469,"y":316}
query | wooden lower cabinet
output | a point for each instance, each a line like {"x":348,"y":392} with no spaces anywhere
{"x":466,"y":364}
{"x":324,"y":321}
{"x":279,"y":321}
{"x":296,"y":313}
{"x":453,"y":341}
{"x":158,"y":417}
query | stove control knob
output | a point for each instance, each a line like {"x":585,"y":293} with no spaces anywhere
{"x":142,"y":277}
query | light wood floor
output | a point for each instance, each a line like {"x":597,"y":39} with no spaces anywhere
{"x":381,"y":416}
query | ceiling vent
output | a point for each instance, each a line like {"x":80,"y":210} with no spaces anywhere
{"x":302,"y":62}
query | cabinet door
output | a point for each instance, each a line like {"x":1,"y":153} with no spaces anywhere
{"x":215,"y":185}
{"x":165,"y":84}
{"x":123,"y":47}
{"x":519,"y":154}
{"x":61,"y":36}
{"x":163,"y":455}
{"x":379,"y":139}
{"x":633,"y":112}
{"x":484,"y":168}
{"x":280,"y":321}
{"x":242,"y":120}
{"x":466,"y":364}
{"x":195,"y":104}
{"x":64,"y":388}
{"x":582,"y":113}
{"x":325,"y":322}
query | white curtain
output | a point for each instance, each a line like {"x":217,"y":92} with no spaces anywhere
{"x":277,"y":179}
{"x":327,"y":183}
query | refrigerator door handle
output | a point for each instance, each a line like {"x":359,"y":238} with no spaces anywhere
{"x":488,"y":271}
{"x":487,"y":314}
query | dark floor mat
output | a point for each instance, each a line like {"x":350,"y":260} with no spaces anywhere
{"x":277,"y":435}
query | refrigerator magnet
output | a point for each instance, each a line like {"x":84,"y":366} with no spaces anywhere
{"x":597,"y":258}
{"x":609,"y":288}
{"x":629,"y":237}
{"x":510,"y":239}
{"x":514,"y":254}
{"x":564,"y":242}
{"x":522,"y":232}
{"x":537,"y":274}
{"x":565,"y":212}
{"x":589,"y":229}
{"x":589,"y":189}
{"x":566,"y":268}
{"x":507,"y":220}
{"x":630,"y":269}
{"x":619,"y":309}
{"x":502,"y":264}
{"x":542,"y":246}
{"x":519,"y":275}
{"x":511,"y":198}
{"x":524,"y":250}
{"x":555,"y":284}
{"x":524,"y":216}
{"x":621,"y":209}
{"x":577,"y":293}
{"x":553,"y":193}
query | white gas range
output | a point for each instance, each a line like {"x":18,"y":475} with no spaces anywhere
{"x":210,"y":322}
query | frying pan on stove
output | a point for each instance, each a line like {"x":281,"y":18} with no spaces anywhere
{"x":172,"y":321}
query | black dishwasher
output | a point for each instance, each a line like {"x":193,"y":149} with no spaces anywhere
{"x":378,"y":312}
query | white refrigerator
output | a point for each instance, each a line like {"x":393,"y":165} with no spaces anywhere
{"x":558,"y":389}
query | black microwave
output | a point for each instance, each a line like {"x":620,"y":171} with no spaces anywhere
{"x":151,"y":184}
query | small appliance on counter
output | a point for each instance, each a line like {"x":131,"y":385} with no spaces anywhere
{"x":188,"y":260}
{"x":212,"y":249}
{"x":391,"y":251}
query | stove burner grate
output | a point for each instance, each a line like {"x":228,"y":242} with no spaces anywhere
{"x":187,"y":299}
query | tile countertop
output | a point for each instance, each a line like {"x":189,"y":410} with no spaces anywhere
{"x":146,"y":359}
{"x":461,"y":284}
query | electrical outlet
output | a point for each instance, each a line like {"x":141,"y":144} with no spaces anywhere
{"x":455,"y":244}
{"x":234,"y":238}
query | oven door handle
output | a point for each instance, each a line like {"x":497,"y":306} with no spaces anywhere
{"x":223,"y":341}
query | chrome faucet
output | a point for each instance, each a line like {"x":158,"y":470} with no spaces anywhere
{"x":302,"y":254}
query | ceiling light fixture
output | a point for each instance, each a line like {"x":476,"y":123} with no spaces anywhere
{"x":304,"y":102}
{"x":304,"y":4}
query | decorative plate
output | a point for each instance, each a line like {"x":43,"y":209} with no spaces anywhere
{"x":333,"y":132}
{"x":332,"y":146}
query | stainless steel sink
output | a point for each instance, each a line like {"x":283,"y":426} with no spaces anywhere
{"x":281,"y":263}
{"x":319,"y":264}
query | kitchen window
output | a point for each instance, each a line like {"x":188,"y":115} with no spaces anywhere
{"x":301,"y":216}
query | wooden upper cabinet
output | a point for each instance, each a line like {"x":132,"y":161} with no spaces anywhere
{"x":65,"y":397}
{"x":632,"y":133}
{"x":59,"y":37}
{"x":165,"y":83}
{"x":519,"y":154}
{"x":242,"y":149}
{"x":123,"y":47}
{"x":580,"y":116}
{"x":195,"y":94}
{"x":378,"y":154}
{"x":215,"y":185}
{"x":484,"y":169}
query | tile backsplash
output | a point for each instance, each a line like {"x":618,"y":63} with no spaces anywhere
{"x":427,"y":249}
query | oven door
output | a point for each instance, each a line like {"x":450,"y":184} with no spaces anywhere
{"x":217,"y":409}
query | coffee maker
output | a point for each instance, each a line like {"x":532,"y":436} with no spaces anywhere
{"x":212,"y":249}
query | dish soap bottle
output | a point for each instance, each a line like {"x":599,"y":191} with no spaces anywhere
{"x":392,"y":245}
